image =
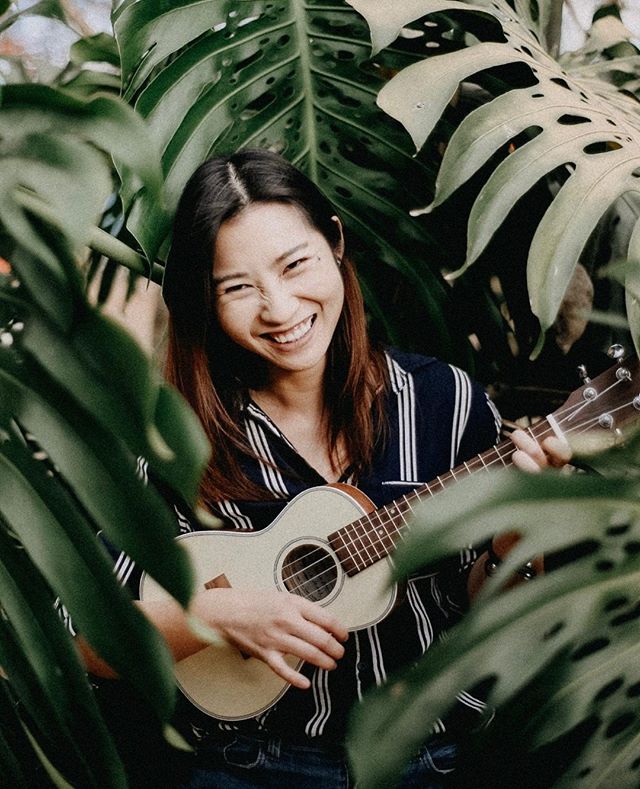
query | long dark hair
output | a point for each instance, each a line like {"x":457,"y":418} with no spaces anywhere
{"x":214,"y":373}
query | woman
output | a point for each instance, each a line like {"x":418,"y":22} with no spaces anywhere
{"x":268,"y":343}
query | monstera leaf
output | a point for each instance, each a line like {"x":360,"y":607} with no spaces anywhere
{"x":212,"y":77}
{"x":573,"y":635}
{"x":567,"y":121}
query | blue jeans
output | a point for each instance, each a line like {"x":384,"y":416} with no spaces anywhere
{"x":238,"y":762}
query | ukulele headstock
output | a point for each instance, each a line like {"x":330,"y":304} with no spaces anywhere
{"x":597,"y":414}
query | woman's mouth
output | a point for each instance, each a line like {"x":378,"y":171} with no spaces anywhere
{"x":295,"y":333}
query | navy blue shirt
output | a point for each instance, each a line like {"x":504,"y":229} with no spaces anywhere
{"x":438,"y":418}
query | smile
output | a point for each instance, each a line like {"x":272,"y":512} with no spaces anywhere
{"x":296,"y":333}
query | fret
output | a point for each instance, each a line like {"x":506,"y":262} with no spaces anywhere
{"x":374,"y":536}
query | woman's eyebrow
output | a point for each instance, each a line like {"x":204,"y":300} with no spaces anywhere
{"x":235,"y":275}
{"x":286,"y":254}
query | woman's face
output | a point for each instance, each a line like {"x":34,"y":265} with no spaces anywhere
{"x":279,"y":292}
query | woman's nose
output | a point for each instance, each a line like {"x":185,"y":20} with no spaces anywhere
{"x":278,"y":304}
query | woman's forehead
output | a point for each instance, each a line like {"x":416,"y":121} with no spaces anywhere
{"x":262,"y":233}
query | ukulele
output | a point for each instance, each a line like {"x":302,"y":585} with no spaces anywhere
{"x":332,"y":546}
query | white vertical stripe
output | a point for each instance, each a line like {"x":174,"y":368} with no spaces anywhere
{"x":377,"y":659}
{"x":356,"y":636}
{"x":231,"y":510}
{"x":272,"y":478}
{"x":320,"y":685}
{"x":496,"y":415}
{"x":423,"y":623}
{"x":461,"y":411}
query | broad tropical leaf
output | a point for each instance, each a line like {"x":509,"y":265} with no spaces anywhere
{"x":54,"y":146}
{"x":78,"y":402}
{"x":573,"y":120}
{"x":573,"y":631}
{"x":212,"y":77}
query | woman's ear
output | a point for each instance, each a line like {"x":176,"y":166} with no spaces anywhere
{"x":338,"y":252}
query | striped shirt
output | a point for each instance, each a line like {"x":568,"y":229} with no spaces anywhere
{"x":437,"y":419}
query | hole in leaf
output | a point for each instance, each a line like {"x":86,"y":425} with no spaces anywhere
{"x":609,"y":689}
{"x":619,"y":724}
{"x":325,"y":147}
{"x":611,"y":121}
{"x":348,"y":101}
{"x":614,"y":531}
{"x":604,"y":565}
{"x":632,"y":547}
{"x":595,"y":148}
{"x":344,"y":192}
{"x":432,"y":44}
{"x":572,"y":120}
{"x":584,"y":96}
{"x":617,"y":602}
{"x":630,"y":616}
{"x":562,"y":82}
{"x":257,"y":105}
{"x":527,"y":51}
{"x":633,"y":690}
{"x":584,"y":772}
{"x":537,"y":95}
{"x":635,"y":763}
{"x":552,"y":631}
{"x":345,"y":54}
{"x":636,"y":173}
{"x":249,"y":60}
{"x":283,"y":41}
{"x":590,"y":648}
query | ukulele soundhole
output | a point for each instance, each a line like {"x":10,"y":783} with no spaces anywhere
{"x":310,"y":571}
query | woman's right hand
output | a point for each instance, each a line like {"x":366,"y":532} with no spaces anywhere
{"x":268,"y":624}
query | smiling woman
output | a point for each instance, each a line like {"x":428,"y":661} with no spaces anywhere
{"x":268,"y":342}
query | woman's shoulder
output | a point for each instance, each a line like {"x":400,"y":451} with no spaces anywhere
{"x":403,"y":364}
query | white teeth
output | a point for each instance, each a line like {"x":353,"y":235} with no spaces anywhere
{"x":295,"y":334}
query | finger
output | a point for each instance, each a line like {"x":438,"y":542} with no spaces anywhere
{"x":299,"y":647}
{"x":275,"y":661}
{"x":322,"y":640}
{"x":530,"y":446}
{"x":557,"y":450}
{"x":525,"y":462}
{"x":318,"y":616}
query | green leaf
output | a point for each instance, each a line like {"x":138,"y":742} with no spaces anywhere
{"x":513,"y":636}
{"x":61,"y":543}
{"x":104,"y":122}
{"x":99,"y":48}
{"x":101,"y":472}
{"x":43,"y":664}
{"x":565,"y":106}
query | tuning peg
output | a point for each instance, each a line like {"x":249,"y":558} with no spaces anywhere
{"x":584,"y":375}
{"x":616,"y":352}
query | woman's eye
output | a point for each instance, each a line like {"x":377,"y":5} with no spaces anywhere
{"x":230,"y":289}
{"x":295,"y":264}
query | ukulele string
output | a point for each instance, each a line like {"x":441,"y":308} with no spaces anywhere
{"x":565,"y":415}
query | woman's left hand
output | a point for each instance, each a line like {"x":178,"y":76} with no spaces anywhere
{"x":531,"y":455}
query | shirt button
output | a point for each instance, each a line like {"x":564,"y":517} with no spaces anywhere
{"x":362,"y":665}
